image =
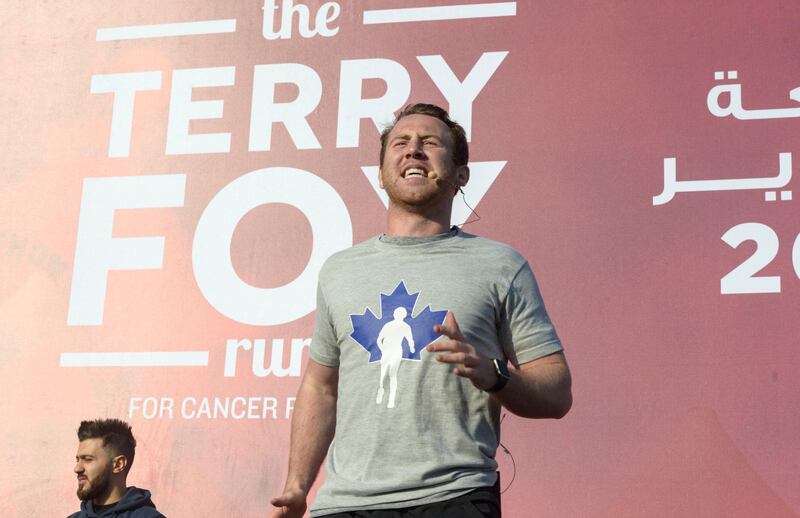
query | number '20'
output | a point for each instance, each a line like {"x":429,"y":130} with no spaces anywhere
{"x":742,"y":279}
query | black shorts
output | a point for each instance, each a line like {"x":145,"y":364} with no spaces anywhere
{"x":478,"y":503}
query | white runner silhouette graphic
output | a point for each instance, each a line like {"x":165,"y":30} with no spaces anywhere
{"x":390,"y":342}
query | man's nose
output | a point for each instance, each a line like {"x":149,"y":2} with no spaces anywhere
{"x":414,"y":149}
{"x":78,"y":468}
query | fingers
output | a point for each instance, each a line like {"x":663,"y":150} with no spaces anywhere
{"x":449,"y":327}
{"x":459,"y":354}
{"x":459,"y":350}
{"x":450,"y":346}
{"x":279,"y":501}
{"x":284,"y":499}
{"x":288,"y":504}
{"x":455,"y":358}
{"x":477,"y":373}
{"x":454,"y":350}
{"x":465,"y":372}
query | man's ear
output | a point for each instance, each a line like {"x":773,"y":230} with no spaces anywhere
{"x":119,"y":463}
{"x":462,"y":175}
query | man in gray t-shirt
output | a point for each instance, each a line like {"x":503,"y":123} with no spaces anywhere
{"x":409,"y":360}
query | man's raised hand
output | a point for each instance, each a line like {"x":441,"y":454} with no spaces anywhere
{"x":466,"y":360}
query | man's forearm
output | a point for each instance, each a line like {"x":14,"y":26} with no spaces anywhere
{"x":313,"y":425}
{"x":539,"y":389}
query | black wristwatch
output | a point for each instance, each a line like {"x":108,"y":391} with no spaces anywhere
{"x":501,"y":368}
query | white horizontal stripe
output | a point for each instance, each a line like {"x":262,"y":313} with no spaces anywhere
{"x":163,"y":30}
{"x":444,"y":12}
{"x":136,"y":359}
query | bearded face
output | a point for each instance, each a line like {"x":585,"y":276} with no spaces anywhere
{"x":418,"y":172}
{"x":93,"y":469}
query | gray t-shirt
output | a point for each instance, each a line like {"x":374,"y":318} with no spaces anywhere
{"x":408,"y":430}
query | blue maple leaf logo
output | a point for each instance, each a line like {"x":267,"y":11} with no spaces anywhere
{"x":367,"y":327}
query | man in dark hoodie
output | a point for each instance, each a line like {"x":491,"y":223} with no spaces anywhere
{"x":105,"y":455}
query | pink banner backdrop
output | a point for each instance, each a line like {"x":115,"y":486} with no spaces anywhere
{"x":174,"y":173}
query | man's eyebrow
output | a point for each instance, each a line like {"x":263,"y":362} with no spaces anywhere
{"x":407,"y":136}
{"x":84,"y":456}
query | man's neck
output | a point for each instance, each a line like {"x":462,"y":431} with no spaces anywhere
{"x":402,"y":223}
{"x":114,"y":495}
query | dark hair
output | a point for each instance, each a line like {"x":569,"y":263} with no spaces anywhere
{"x":460,"y":146}
{"x":116,"y":434}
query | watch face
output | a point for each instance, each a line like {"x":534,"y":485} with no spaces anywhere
{"x":502,"y":368}
{"x":503,"y":376}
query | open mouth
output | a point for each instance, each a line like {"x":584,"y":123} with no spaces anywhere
{"x":415,"y":171}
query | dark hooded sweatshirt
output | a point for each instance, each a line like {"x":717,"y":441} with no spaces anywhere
{"x":135,"y":504}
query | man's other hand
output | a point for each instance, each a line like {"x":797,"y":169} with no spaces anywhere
{"x":291,"y":504}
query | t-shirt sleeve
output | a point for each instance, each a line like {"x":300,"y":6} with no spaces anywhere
{"x":324,"y":345}
{"x":526,"y":331}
